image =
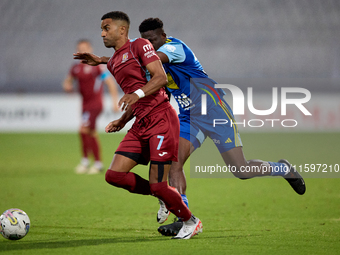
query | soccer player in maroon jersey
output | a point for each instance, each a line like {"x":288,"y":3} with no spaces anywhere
{"x":90,"y":81}
{"x":154,"y":135}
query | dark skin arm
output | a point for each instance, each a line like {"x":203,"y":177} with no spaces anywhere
{"x":90,"y":59}
{"x":94,"y":60}
{"x":164,"y":58}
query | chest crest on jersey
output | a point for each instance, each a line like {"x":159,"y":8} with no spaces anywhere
{"x":125,"y":57}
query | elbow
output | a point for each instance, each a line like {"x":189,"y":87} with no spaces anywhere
{"x":164,"y":80}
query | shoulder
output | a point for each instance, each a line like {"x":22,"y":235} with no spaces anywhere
{"x":144,"y":49}
{"x":75,"y":68}
{"x":172,"y":44}
{"x":174,"y":49}
{"x":139,"y":40}
{"x":141,"y":43}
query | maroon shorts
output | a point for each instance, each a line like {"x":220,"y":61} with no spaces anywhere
{"x":89,"y":117}
{"x":153,"y":138}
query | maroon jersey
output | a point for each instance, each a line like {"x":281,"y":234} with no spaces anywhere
{"x":90,"y":84}
{"x":127,"y":65}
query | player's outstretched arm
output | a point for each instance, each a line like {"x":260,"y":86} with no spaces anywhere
{"x":158,"y":80}
{"x":90,"y":59}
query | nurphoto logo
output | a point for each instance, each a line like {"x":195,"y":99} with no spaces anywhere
{"x":239,"y":106}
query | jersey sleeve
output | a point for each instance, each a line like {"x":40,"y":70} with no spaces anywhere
{"x":146,"y":52}
{"x":174,"y":52}
{"x":104,"y":73}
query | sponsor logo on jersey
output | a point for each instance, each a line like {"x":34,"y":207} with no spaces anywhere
{"x":147,"y":47}
{"x":184,"y":102}
{"x":150,"y":53}
{"x":216,"y":141}
{"x":162,"y":154}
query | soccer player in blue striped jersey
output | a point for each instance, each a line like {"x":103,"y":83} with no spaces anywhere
{"x":187,"y":81}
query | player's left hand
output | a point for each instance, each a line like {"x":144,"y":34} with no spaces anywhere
{"x":127,"y":100}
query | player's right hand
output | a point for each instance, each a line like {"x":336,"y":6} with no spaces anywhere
{"x":87,"y":58}
{"x":114,"y":126}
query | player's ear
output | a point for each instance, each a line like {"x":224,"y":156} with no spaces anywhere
{"x":163,"y":37}
{"x":124,"y":29}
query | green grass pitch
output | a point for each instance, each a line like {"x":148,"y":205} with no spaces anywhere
{"x":82,"y":214}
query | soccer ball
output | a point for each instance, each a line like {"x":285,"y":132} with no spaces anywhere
{"x":14,"y":224}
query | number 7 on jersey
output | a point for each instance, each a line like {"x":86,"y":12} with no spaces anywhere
{"x":161,"y":138}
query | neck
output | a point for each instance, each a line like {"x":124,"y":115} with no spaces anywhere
{"x":121,"y":42}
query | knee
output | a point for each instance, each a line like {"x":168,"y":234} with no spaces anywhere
{"x":113,"y":177}
{"x":242,"y":175}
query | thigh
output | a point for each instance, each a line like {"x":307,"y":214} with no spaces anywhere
{"x":94,"y":114}
{"x":121,"y":163}
{"x":135,"y":148}
{"x":190,"y":132}
{"x":89,"y":118}
{"x":164,"y":137}
{"x":224,"y":132}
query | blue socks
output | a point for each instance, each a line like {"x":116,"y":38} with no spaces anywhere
{"x":278,"y":169}
{"x":185,"y":200}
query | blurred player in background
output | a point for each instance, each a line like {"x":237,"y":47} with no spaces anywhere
{"x":155,"y":132}
{"x":90,"y":81}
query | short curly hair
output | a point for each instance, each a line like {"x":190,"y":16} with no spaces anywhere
{"x":150,"y":24}
{"x":117,"y":15}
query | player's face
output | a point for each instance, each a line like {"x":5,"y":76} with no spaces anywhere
{"x":110,"y":32}
{"x":156,"y":38}
{"x":84,"y":47}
